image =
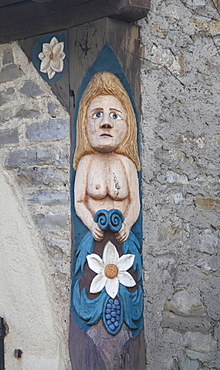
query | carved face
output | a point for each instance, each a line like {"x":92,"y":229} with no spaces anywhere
{"x":106,"y":123}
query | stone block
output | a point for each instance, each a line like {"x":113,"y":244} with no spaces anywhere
{"x":9,"y":137}
{"x":51,"y":221}
{"x":27,"y":113}
{"x":9,"y":91}
{"x":31,"y":89}
{"x":37,"y":156}
{"x":186,"y":313}
{"x":9,"y":73}
{"x":199,"y":342}
{"x":208,"y":242}
{"x":56,"y":248}
{"x":184,"y":302}
{"x":7,"y":114}
{"x":47,"y":176}
{"x":177,"y":197}
{"x":8,"y":57}
{"x":208,"y":203}
{"x":182,"y":362}
{"x":2,"y":98}
{"x":52,"y":109}
{"x":164,"y":57}
{"x":5,"y":95}
{"x":49,"y":197}
{"x":49,"y":130}
{"x":173,"y":177}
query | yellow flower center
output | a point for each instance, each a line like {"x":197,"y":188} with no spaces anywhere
{"x":52,"y":56}
{"x":111,"y":271}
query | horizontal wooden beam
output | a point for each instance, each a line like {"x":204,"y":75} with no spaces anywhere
{"x":31,"y":18}
{"x":8,"y":2}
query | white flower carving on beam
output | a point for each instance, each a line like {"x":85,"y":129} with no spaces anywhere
{"x":111,"y":270}
{"x":52,"y":57}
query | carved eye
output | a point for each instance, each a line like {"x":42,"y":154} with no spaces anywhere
{"x":114,"y":116}
{"x":97,"y":115}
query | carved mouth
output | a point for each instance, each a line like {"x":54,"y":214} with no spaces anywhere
{"x":106,"y":135}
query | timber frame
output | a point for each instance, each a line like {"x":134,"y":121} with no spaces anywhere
{"x":20,"y":19}
{"x":89,"y":27}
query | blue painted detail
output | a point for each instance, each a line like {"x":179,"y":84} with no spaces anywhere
{"x":132,"y":245}
{"x":116,"y":219}
{"x":88,"y":312}
{"x":133,"y":308}
{"x":109,"y":220}
{"x":86,"y":247}
{"x":127,"y":307}
{"x":113,"y":323}
{"x":37,"y":49}
{"x":101,"y":217}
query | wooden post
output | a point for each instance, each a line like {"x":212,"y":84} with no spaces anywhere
{"x":106,"y":324}
{"x":87,"y":41}
{"x":95,"y":343}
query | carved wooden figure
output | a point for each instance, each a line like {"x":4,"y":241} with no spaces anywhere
{"x":106,"y":330}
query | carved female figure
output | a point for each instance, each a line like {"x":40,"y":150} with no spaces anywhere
{"x":106,"y":199}
{"x":106,"y":156}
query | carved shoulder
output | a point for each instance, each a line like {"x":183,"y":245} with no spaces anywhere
{"x":128,"y":163}
{"x":84,"y":163}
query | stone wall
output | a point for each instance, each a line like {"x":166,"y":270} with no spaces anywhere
{"x":180,"y":160}
{"x":180,"y":157}
{"x":36,"y":244}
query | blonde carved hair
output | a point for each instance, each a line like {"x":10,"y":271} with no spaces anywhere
{"x":105,"y":83}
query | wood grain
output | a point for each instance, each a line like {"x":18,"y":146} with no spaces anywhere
{"x":87,"y":41}
{"x":29,"y":18}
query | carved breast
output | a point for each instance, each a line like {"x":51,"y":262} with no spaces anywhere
{"x":107,"y":178}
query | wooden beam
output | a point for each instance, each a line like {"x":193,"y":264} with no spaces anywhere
{"x":31,"y":18}
{"x":8,"y":2}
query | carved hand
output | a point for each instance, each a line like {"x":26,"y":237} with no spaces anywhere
{"x":97,"y":233}
{"x":123,"y":234}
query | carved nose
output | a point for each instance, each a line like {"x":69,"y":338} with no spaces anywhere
{"x":106,"y":125}
{"x":106,"y":122}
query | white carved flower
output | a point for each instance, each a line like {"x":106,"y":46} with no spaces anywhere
{"x":111,"y":270}
{"x":52,"y":57}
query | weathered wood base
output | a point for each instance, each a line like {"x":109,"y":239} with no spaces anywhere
{"x":99,"y":350}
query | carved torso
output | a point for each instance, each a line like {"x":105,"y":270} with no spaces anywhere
{"x":107,"y":183}
{"x":107,"y":177}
